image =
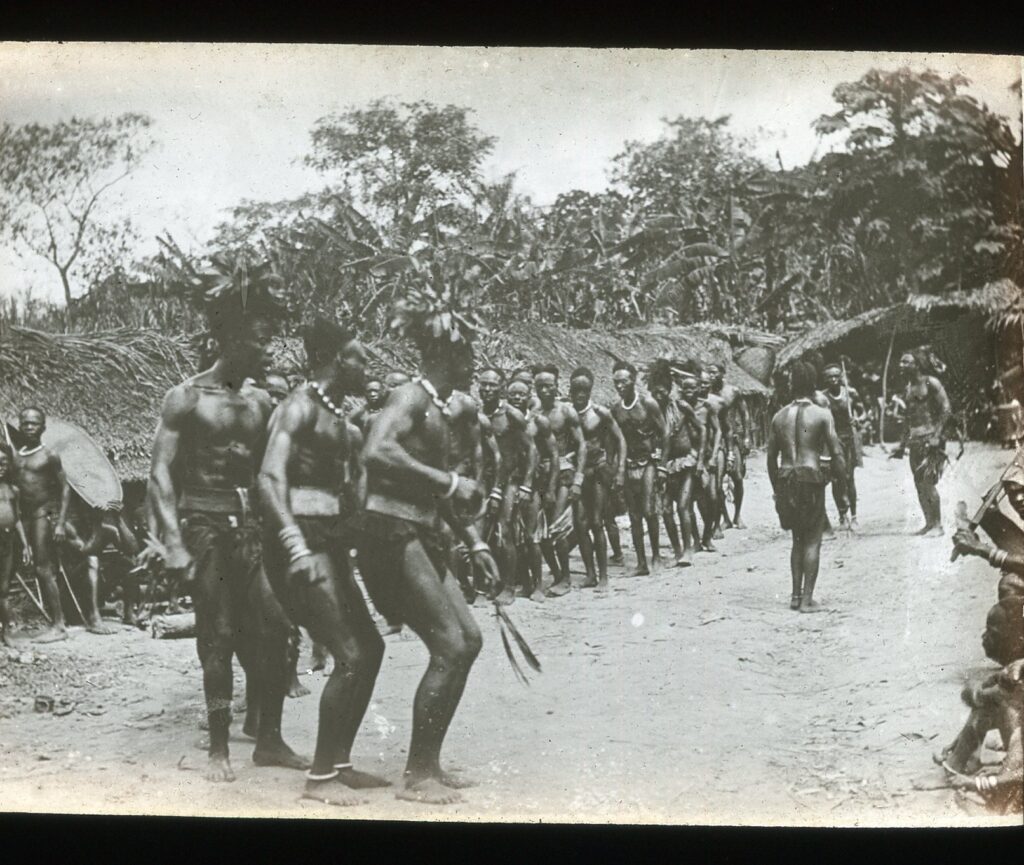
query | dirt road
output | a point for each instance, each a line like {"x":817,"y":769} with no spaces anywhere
{"x":692,"y":696}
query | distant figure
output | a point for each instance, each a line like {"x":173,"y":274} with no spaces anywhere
{"x":799,"y":433}
{"x":45,"y":498}
{"x":11,"y":530}
{"x":1009,"y":419}
{"x":924,"y":437}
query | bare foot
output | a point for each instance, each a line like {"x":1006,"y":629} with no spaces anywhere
{"x":455,"y":781}
{"x":685,"y":560}
{"x":922,"y":531}
{"x":809,"y":606}
{"x":537,"y":595}
{"x":429,"y":791}
{"x":51,"y":635}
{"x":558,"y":589}
{"x":602,"y":586}
{"x":794,"y":602}
{"x":641,"y":571}
{"x":219,"y":769}
{"x":328,"y":793}
{"x":97,"y":627}
{"x":279,"y":755}
{"x":296,"y":688}
{"x":359,"y":780}
{"x":708,"y":547}
{"x":616,"y":560}
{"x":718,"y":534}
{"x":505,"y":598}
{"x":934,"y":532}
{"x":738,"y":524}
{"x":589,"y":583}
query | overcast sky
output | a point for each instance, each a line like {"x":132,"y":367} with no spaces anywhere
{"x":233,"y":122}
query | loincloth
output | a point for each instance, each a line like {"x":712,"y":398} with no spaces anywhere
{"x":381,"y":550}
{"x":927,"y":462}
{"x":635,"y":469}
{"x":800,"y":498}
{"x":226,"y":550}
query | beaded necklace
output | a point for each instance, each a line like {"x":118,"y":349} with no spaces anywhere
{"x":325,"y":400}
{"x":435,"y":397}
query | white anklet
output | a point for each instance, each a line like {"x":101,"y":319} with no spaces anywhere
{"x":342,"y":765}
{"x":328,"y":777}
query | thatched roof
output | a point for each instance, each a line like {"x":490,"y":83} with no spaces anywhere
{"x":525,"y":344}
{"x":109,"y":383}
{"x":918,"y":313}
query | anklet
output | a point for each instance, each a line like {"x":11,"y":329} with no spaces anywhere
{"x":342,"y":766}
{"x":330,"y":776}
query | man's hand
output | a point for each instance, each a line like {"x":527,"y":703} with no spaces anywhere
{"x":484,"y":560}
{"x":177,"y":558}
{"x":523,"y":495}
{"x":26,"y":555}
{"x":935,"y":441}
{"x":575,"y":491}
{"x":620,"y":482}
{"x":969,"y":544}
{"x":60,"y":533}
{"x":307,"y":570}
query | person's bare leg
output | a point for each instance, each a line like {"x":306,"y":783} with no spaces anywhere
{"x":737,"y":500}
{"x":611,"y":528}
{"x":214,"y":642}
{"x":796,"y":569}
{"x":267,"y":622}
{"x":684,"y":507}
{"x":811,"y":558}
{"x":44,"y":553}
{"x":562,"y":584}
{"x":94,"y":622}
{"x":295,"y":687}
{"x":706,"y":503}
{"x":671,"y":529}
{"x":438,"y":614}
{"x":650,"y":504}
{"x":6,"y":572}
{"x":581,"y":517}
{"x":596,"y":508}
{"x":340,"y":621}
{"x":507,"y":548}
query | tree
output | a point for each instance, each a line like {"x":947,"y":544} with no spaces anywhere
{"x":920,"y":188}
{"x":401,"y":162}
{"x":52,"y":182}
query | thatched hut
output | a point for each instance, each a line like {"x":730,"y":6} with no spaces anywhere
{"x":978,"y":335}
{"x":109,"y":383}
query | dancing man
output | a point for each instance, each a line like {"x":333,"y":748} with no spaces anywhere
{"x":402,"y":552}
{"x":924,"y":437}
{"x":206,"y":455}
{"x":302,"y":484}
{"x":600,"y":477}
{"x":643,"y":428}
{"x":572,"y":458}
{"x":736,"y":432}
{"x":841,"y":400}
{"x":543,"y":486}
{"x":800,"y":432}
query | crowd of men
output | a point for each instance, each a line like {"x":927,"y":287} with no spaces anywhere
{"x":264,"y":489}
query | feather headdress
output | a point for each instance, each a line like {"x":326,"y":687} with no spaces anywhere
{"x":426,"y":314}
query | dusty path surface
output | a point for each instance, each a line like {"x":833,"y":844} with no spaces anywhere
{"x":691,"y":696}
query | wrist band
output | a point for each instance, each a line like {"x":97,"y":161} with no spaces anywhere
{"x":495,"y":494}
{"x":299,"y":554}
{"x":577,"y":480}
{"x":997,"y":557}
{"x":453,"y":485}
{"x":480,"y":547}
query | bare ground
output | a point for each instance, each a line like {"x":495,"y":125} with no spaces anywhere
{"x":692,"y":696}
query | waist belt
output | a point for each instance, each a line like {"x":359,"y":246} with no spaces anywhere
{"x":217,"y":501}
{"x":314,"y":502}
{"x":567,"y":462}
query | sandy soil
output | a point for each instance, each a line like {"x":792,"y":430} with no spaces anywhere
{"x":692,"y":696}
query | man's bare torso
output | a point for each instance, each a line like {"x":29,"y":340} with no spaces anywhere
{"x":38,"y":479}
{"x":800,"y":430}
{"x":923,"y":416}
{"x":321,"y":450}
{"x":8,"y":505}
{"x":221,"y":435}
